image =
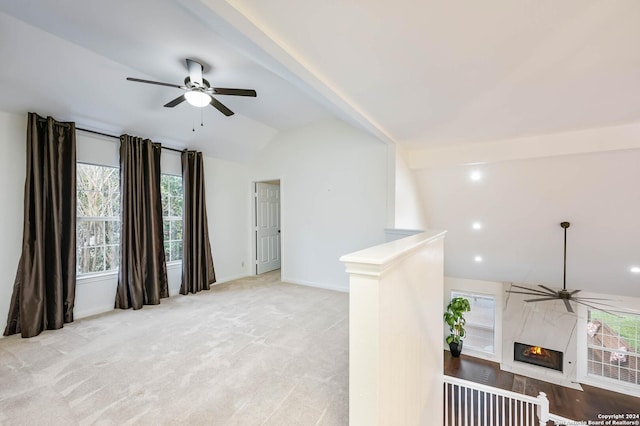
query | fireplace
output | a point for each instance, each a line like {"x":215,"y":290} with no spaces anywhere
{"x":537,"y":355}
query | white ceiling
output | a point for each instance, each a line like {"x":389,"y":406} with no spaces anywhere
{"x":431,"y":73}
{"x":425,"y":75}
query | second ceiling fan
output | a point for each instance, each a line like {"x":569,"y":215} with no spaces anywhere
{"x":197,"y":90}
{"x":547,"y":294}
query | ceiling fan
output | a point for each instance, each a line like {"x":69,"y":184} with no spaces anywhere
{"x":197,"y":90}
{"x":565,"y":295}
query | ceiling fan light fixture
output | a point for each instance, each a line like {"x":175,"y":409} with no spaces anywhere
{"x":197,"y":98}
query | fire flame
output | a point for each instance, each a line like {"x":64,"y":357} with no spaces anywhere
{"x":536,"y":351}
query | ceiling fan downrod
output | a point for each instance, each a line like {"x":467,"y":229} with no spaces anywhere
{"x":565,"y":225}
{"x":547,"y":294}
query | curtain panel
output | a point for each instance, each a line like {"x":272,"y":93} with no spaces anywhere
{"x":197,"y":263}
{"x":142,"y":276}
{"x":44,"y":287}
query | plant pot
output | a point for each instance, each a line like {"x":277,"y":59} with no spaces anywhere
{"x":455,"y":349}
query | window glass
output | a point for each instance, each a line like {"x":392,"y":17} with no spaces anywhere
{"x":480,"y":325}
{"x":612,"y":346}
{"x":172,"y":199}
{"x":98,"y":218}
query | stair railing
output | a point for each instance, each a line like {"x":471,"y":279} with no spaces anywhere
{"x":473,"y":404}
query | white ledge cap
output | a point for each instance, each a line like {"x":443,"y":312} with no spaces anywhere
{"x":381,"y":256}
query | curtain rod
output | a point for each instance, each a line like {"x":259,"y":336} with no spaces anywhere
{"x":118,"y":137}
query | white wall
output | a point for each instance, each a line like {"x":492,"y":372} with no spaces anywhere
{"x":229,"y":215}
{"x":333,"y":197}
{"x":409,"y":212}
{"x":12,"y":173}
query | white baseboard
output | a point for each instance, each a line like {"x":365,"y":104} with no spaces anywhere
{"x":317,"y":285}
{"x":230,"y":278}
{"x":108,"y":308}
{"x":94,"y":311}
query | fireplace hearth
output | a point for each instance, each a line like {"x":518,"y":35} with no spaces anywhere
{"x":536,"y":355}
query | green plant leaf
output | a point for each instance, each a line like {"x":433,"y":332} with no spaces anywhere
{"x":454,"y":318}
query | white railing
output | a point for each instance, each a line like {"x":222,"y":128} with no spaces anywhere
{"x":473,"y":404}
{"x":561,"y":421}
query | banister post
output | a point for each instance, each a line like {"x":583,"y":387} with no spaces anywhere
{"x":543,"y":409}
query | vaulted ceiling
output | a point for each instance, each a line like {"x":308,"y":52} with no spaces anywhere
{"x":455,"y":85}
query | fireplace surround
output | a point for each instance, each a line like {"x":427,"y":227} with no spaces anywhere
{"x":536,"y":355}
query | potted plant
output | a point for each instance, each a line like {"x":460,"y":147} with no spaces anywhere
{"x":454,"y":317}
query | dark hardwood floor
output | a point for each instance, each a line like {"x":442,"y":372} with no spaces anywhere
{"x":570,"y":403}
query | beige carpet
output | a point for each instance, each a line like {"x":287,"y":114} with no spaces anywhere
{"x":252,"y":352}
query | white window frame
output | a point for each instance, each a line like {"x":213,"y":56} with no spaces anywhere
{"x":582,"y":360}
{"x":97,"y":274}
{"x":174,"y":219}
{"x":104,"y":245}
{"x":477,"y":352}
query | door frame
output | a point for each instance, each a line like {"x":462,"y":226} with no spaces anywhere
{"x":253,"y":225}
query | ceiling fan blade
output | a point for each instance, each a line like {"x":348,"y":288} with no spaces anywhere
{"x":544,"y":299}
{"x":581,"y":300}
{"x":536,"y":291}
{"x":574,"y":292}
{"x":176,"y":101}
{"x":234,"y":92}
{"x":139,"y":80}
{"x":568,"y":305}
{"x":220,"y":107}
{"x":588,"y":298}
{"x":195,"y":72}
{"x":548,"y":289}
{"x":599,"y":309}
{"x":531,"y":294}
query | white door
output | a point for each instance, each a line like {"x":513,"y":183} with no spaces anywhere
{"x":267,"y":227}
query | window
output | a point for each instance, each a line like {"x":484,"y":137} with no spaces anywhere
{"x":480,"y":325}
{"x":171,"y":191}
{"x":612,"y":346}
{"x":98,"y":218}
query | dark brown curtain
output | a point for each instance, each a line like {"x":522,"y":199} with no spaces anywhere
{"x":197,"y":263}
{"x":44,"y":288}
{"x":142,"y":276}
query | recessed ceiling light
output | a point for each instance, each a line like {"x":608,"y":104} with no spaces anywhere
{"x":478,"y":259}
{"x":476,"y":225}
{"x":635,"y":269}
{"x":475,"y":175}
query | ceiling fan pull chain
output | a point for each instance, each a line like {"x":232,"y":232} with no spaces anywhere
{"x":201,"y":119}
